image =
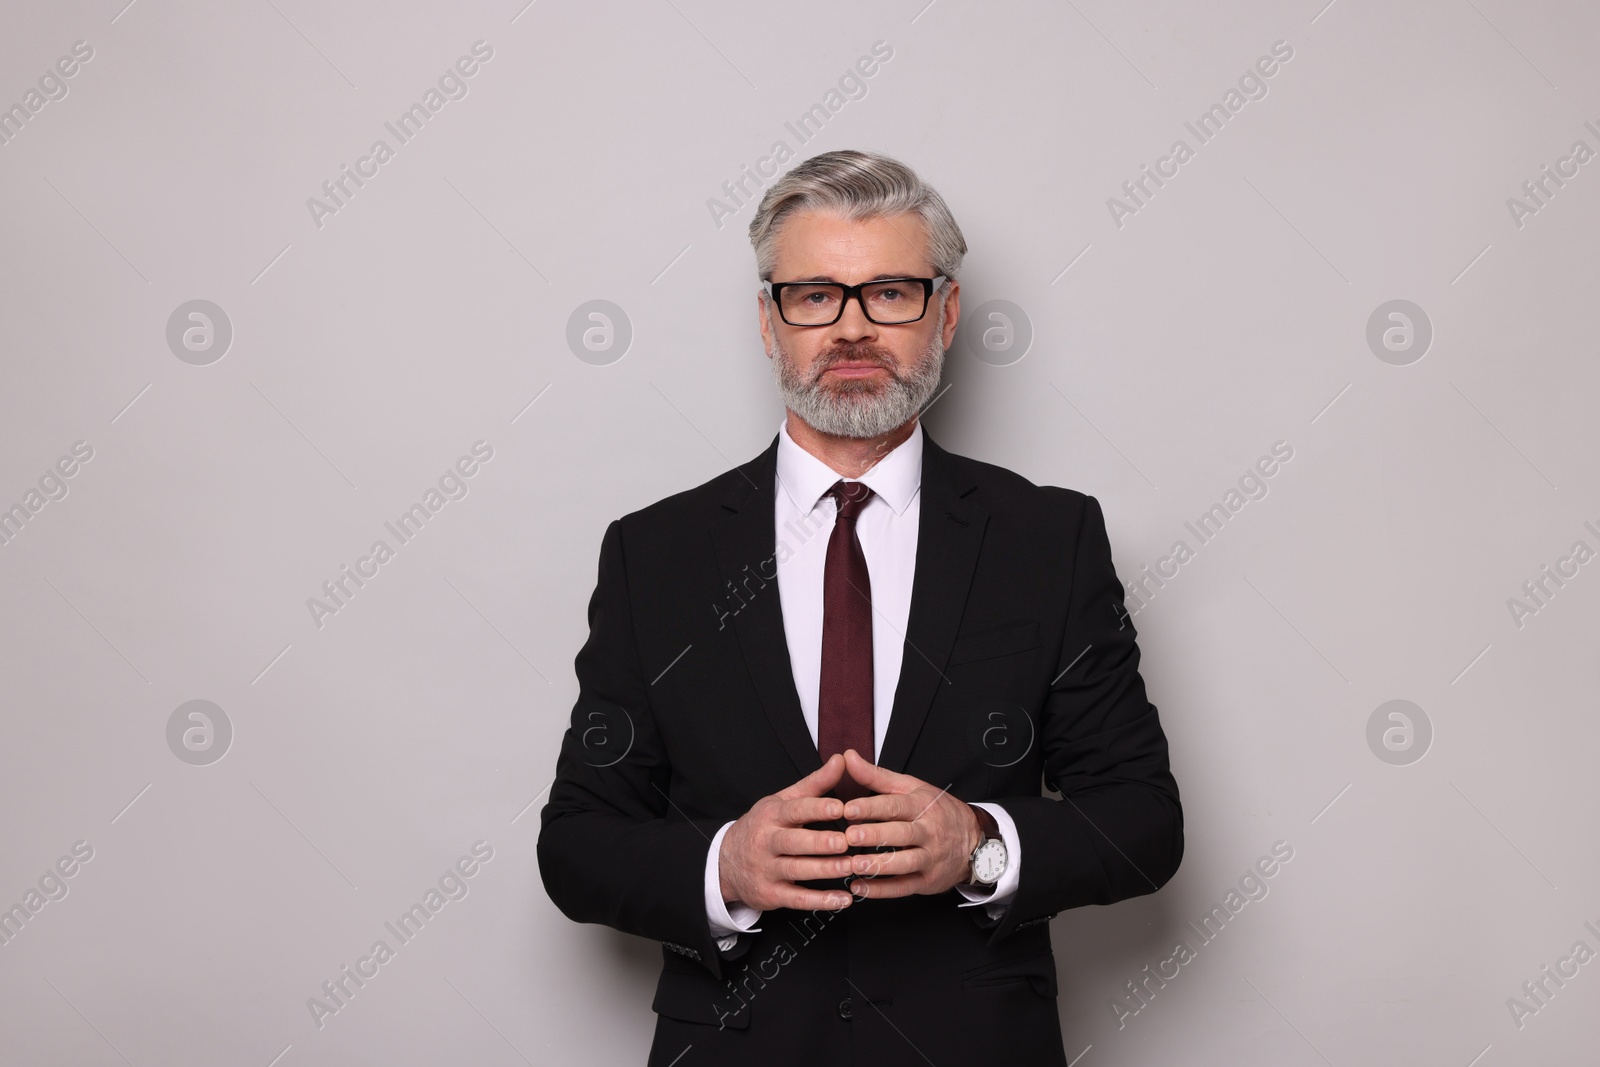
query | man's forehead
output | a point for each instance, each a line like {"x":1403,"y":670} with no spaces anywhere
{"x":818,"y":243}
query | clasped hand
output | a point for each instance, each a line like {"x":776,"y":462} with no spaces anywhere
{"x":769,"y":848}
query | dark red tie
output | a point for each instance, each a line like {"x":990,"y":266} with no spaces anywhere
{"x":844,"y":703}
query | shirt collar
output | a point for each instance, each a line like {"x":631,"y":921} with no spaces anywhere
{"x":805,"y":478}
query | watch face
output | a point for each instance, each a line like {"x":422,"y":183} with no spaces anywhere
{"x":989,"y":863}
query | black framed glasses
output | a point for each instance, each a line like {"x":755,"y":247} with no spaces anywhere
{"x":885,"y":301}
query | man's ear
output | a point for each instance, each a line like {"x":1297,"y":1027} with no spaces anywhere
{"x":952,"y":312}
{"x":763,"y":323}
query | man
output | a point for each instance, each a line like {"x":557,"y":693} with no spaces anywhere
{"x":821,"y":693}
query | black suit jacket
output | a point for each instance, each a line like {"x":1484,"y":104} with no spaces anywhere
{"x":1020,"y":668}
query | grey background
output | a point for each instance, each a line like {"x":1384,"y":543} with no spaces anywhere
{"x":431,"y":311}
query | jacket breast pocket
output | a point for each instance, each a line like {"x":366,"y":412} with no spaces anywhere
{"x":1002,"y":640}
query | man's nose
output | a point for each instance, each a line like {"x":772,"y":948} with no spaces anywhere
{"x":854,"y":325}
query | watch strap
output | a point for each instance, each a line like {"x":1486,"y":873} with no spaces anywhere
{"x":988,"y":830}
{"x":986,"y":824}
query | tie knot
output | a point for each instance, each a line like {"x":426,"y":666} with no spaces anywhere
{"x":851,"y":498}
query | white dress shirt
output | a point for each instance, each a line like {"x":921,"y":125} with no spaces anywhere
{"x":887,"y":528}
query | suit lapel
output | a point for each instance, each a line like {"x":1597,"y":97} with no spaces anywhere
{"x":950,"y":528}
{"x":744,"y":537}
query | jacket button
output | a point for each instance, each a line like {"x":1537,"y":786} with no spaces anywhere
{"x":844,"y":1009}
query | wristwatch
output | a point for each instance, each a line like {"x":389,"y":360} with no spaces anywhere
{"x":989,"y":858}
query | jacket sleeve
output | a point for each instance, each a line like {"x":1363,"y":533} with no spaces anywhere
{"x":1117,"y":831}
{"x":613,"y":849}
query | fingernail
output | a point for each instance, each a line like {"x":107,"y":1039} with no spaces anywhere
{"x":851,"y":812}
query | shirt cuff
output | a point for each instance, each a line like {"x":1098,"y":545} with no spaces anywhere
{"x":998,"y":896}
{"x":727,"y":920}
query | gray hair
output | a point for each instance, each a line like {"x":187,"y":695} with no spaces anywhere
{"x":860,"y":186}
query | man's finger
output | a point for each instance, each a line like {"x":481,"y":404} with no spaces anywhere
{"x":798,"y":899}
{"x":890,"y":864}
{"x":792,"y":841}
{"x":800,"y":811}
{"x":885,"y":888}
{"x":884,"y":807}
{"x":879,"y":779}
{"x":893,"y":834}
{"x":818,"y":781}
{"x":811,"y":868}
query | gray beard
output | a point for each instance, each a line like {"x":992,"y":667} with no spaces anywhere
{"x":858,"y":408}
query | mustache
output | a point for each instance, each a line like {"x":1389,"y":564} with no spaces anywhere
{"x":857,"y":353}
